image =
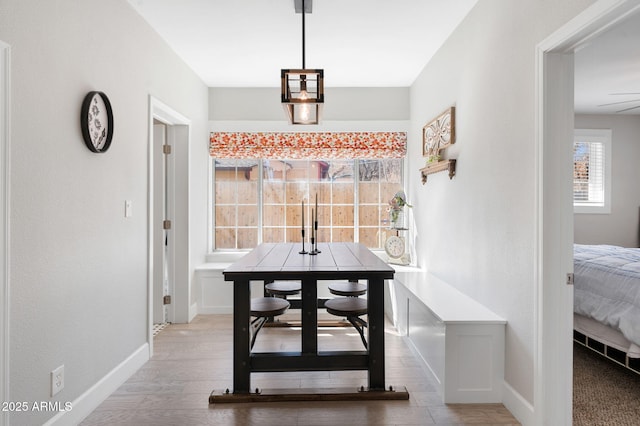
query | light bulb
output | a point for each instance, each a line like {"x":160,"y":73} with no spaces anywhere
{"x":304,"y":112}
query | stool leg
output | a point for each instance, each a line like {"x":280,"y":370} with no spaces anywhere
{"x":256,"y":326}
{"x":359,"y":324}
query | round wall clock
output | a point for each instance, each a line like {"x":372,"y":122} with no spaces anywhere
{"x":96,"y":120}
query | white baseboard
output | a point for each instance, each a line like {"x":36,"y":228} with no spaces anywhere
{"x":96,"y":394}
{"x":193,"y":311}
{"x":517,"y":405}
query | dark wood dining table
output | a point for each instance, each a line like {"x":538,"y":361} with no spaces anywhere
{"x":335,"y":261}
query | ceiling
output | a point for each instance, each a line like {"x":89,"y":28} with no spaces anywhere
{"x":358,"y":43}
{"x":607,"y":71}
{"x":363,"y":43}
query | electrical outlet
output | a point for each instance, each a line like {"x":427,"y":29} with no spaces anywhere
{"x":57,"y":380}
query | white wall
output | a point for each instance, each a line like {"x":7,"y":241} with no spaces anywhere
{"x":477,"y":231}
{"x":620,"y":227}
{"x":78,"y":274}
{"x":5,"y":59}
{"x":341,"y":104}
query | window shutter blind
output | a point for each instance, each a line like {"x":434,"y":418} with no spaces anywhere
{"x":588,"y":173}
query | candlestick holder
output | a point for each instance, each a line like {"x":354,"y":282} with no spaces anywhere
{"x":314,"y":241}
{"x":313,"y":251}
{"x":303,"y":251}
{"x":314,"y":233}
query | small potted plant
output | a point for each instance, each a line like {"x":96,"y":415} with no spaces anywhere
{"x":433,"y":159}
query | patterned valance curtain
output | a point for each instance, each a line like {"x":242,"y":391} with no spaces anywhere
{"x":308,"y":145}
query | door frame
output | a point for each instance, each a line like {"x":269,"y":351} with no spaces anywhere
{"x":5,"y":136}
{"x":553,"y":299}
{"x":178,"y":135}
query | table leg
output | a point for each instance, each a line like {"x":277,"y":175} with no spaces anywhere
{"x":309,"y":316}
{"x":375,"y":318}
{"x":241,"y":351}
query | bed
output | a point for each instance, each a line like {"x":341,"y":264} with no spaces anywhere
{"x":607,"y":301}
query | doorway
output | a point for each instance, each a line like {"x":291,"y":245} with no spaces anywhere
{"x":168,"y":217}
{"x":163,"y":286}
{"x":553,"y":397}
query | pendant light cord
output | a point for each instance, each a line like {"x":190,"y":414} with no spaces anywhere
{"x":303,"y":41}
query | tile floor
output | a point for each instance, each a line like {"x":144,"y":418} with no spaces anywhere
{"x":157,"y":328}
{"x":192,"y":360}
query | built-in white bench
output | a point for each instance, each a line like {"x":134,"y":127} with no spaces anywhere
{"x":215,"y":295}
{"x":460,"y":341}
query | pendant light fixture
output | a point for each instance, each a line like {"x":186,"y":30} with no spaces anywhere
{"x":302,"y":89}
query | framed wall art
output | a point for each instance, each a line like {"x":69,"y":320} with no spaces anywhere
{"x":439,"y":134}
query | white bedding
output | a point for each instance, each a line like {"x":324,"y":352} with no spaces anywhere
{"x":607,"y":287}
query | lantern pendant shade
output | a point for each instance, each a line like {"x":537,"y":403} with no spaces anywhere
{"x":302,"y":94}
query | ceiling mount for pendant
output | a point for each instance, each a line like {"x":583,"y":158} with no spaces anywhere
{"x":302,"y":89}
{"x":308,"y":6}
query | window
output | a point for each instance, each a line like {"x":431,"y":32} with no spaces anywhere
{"x":260,"y":200}
{"x":592,"y":171}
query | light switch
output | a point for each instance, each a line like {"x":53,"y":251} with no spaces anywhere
{"x":128,"y":212}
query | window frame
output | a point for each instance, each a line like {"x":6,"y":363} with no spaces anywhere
{"x":604,"y":137}
{"x":213,"y":250}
